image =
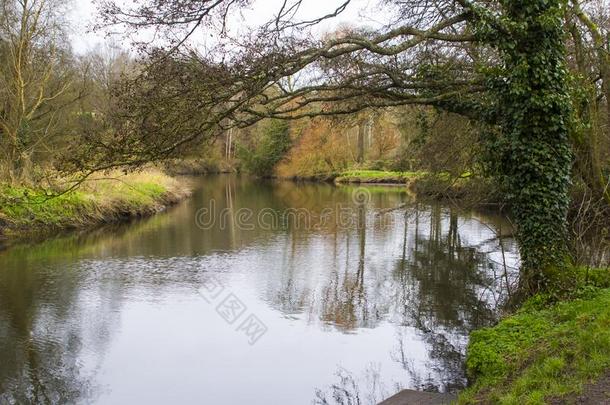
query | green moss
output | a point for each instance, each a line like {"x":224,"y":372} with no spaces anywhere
{"x":541,"y":352}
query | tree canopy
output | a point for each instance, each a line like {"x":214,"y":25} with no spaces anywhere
{"x":530,"y":79}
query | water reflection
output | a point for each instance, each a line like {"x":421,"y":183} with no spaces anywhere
{"x":114,"y":316}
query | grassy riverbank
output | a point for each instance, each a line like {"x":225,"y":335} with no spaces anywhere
{"x":377,"y":176}
{"x":472,"y":189}
{"x":111,"y":198}
{"x":546,"y":353}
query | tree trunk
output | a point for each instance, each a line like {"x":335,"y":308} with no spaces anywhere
{"x":590,"y":164}
{"x":537,"y":158}
{"x":361,"y":137}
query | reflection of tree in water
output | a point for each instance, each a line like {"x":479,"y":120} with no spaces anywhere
{"x":39,"y":359}
{"x":45,"y":328}
{"x":448,"y":277}
{"x":344,"y":297}
{"x":354,"y":390}
{"x":441,"y":284}
{"x":287,"y":293}
{"x":437,"y":291}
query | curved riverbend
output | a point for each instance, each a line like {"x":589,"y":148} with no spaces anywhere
{"x":253,"y":292}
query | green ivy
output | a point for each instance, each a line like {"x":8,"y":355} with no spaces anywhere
{"x":532,"y":154}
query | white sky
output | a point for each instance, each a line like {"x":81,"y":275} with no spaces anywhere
{"x":83,"y":16}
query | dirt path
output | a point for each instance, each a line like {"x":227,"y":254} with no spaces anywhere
{"x":597,"y":393}
{"x":410,"y":397}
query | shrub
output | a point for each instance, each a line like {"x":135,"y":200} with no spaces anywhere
{"x":271,"y":147}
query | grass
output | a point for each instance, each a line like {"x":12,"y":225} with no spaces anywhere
{"x":544,"y":352}
{"x":98,"y":200}
{"x":376,"y":176}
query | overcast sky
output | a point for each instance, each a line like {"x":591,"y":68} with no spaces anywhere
{"x":84,"y":13}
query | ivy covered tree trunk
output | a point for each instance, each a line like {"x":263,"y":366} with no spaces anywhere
{"x":536,"y":159}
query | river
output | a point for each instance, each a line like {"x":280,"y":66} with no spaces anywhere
{"x":254,"y":292}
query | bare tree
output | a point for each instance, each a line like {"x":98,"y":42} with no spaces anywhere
{"x":33,"y":79}
{"x":588,"y":25}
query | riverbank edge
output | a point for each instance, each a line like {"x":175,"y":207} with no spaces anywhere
{"x":473,"y":191}
{"x":380,"y":177}
{"x":547,"y":352}
{"x":23,"y":216}
{"x":377,"y":177}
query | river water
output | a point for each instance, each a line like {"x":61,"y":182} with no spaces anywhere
{"x":254,"y":292}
